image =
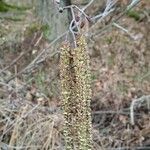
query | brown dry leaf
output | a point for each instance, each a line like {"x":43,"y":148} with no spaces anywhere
{"x":123,"y":119}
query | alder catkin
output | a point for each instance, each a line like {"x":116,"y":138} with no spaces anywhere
{"x":76,"y":95}
{"x":65,"y":77}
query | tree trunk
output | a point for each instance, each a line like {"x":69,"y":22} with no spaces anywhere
{"x":49,"y":14}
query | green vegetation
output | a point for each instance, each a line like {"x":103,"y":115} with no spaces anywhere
{"x":46,"y":30}
{"x":12,"y":12}
{"x":109,"y":40}
{"x":38,"y":27}
{"x":4,"y":7}
{"x":32,"y":28}
{"x":134,"y":14}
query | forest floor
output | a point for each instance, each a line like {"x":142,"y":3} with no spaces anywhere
{"x":30,"y":113}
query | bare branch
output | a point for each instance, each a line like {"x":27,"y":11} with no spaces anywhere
{"x":114,"y":21}
{"x":109,"y":8}
{"x":134,"y":103}
{"x":124,"y":30}
{"x":132,"y":4}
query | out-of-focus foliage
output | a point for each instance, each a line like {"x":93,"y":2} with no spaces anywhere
{"x":5,"y":7}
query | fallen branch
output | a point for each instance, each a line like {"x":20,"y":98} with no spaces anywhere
{"x":134,"y":103}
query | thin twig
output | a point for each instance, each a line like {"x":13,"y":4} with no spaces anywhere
{"x":113,"y":21}
{"x":21,"y":55}
{"x":124,"y":30}
{"x":85,"y":7}
{"x":71,"y":25}
{"x":22,"y":117}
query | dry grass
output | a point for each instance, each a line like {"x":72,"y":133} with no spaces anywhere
{"x":24,"y":125}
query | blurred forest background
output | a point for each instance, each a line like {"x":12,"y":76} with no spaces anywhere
{"x":30,"y":104}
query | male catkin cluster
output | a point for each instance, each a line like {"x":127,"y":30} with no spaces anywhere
{"x":76,"y":94}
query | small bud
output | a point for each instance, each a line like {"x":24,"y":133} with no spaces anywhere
{"x":60,"y":9}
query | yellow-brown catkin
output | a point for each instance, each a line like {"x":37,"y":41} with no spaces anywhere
{"x":66,"y":81}
{"x":76,"y":95}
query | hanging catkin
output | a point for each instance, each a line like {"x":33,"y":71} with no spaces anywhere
{"x":76,"y":94}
